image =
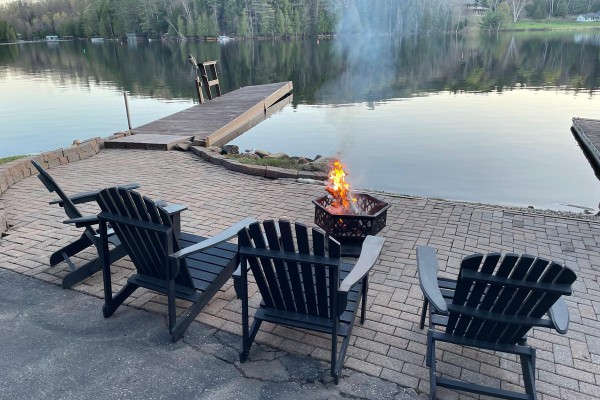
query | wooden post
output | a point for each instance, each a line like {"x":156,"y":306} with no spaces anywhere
{"x":127,"y":110}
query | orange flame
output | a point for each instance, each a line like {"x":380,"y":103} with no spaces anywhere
{"x":338,"y":188}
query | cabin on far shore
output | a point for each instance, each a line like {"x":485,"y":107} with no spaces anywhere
{"x":52,"y":38}
{"x":589,"y":17}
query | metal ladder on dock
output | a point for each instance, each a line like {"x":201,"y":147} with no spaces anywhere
{"x":206,"y":68}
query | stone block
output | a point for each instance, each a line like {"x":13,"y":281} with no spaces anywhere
{"x":52,"y":155}
{"x":54,"y":162}
{"x":201,"y":152}
{"x":276,"y":173}
{"x":16,"y":174}
{"x":307,"y":175}
{"x":63,"y":160}
{"x":231,"y":165}
{"x":322,"y":176}
{"x":217,"y":159}
{"x":3,"y":181}
{"x":256,"y":170}
{"x":70,"y":151}
{"x":73,"y":157}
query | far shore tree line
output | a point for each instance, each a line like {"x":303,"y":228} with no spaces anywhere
{"x":185,"y":19}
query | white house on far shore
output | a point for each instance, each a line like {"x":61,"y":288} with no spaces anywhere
{"x":590,"y":17}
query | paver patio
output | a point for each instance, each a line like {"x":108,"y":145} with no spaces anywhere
{"x":390,"y":344}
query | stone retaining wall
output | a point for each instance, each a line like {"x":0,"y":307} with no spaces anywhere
{"x":257,"y":170}
{"x":12,"y":172}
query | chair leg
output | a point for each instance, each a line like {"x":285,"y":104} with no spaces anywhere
{"x":70,"y":250}
{"x":249,"y":339}
{"x":90,"y":268}
{"x":340,"y":359}
{"x":528,"y":366}
{"x":365,"y":289}
{"x":425,"y":304}
{"x":112,"y":303}
{"x":430,"y":362}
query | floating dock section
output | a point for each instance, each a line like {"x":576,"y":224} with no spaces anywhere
{"x":212,"y":123}
{"x":587,"y":131}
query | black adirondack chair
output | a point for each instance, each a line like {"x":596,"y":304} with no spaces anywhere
{"x":301,"y":288}
{"x":177,"y":264}
{"x":492,"y":305}
{"x":89,"y":237}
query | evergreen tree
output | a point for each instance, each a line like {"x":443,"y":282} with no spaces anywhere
{"x":7,"y":32}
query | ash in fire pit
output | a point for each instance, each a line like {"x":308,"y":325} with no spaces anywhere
{"x":348,"y":218}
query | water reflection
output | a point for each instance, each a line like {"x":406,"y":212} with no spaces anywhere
{"x":469,"y":117}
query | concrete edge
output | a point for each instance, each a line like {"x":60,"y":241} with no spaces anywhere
{"x":255,"y":170}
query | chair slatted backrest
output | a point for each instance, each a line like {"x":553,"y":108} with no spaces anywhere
{"x":70,"y":208}
{"x":143,"y":229}
{"x":499,"y":299}
{"x":288,"y":275}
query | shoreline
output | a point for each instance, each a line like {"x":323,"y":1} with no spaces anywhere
{"x":570,"y":26}
{"x":16,"y":170}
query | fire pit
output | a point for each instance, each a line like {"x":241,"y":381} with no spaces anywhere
{"x":348,"y":218}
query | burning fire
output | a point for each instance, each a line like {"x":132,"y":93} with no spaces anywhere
{"x":339,"y":190}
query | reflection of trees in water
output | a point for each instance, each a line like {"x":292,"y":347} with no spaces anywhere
{"x":329,"y":71}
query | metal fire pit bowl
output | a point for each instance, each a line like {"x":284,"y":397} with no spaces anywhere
{"x":349,"y":229}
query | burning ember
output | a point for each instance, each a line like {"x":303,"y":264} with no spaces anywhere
{"x":341,"y":201}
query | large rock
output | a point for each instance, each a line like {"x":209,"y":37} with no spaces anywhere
{"x":322,"y":164}
{"x":262,"y":153}
{"x":230,"y":149}
{"x":277,"y":155}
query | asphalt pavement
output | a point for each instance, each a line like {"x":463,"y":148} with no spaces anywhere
{"x":55,"y":344}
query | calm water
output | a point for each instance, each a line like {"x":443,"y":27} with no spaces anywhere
{"x":476,"y":118}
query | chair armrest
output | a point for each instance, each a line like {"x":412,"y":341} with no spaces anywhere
{"x":221,"y":237}
{"x":85,"y":197}
{"x":172,"y":209}
{"x":559,"y":315}
{"x":427,"y":267}
{"x":371,"y":249}
{"x":83,"y":221}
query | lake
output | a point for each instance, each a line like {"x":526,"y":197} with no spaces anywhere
{"x":478,"y":117}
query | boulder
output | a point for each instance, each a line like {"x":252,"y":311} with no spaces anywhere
{"x":277,"y":155}
{"x":230,"y":149}
{"x":321,"y":164}
{"x":302,"y":160}
{"x":262,"y":153}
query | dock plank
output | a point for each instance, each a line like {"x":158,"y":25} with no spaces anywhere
{"x":587,"y":131}
{"x":216,"y":121}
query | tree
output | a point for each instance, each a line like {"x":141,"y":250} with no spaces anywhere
{"x":516,"y":7}
{"x":538,"y":9}
{"x":492,"y":20}
{"x":7,"y":32}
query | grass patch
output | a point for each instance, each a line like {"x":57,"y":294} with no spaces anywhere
{"x":288,"y":163}
{"x":9,"y":159}
{"x":529,"y":25}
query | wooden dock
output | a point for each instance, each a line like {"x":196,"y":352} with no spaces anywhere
{"x":587,"y":131}
{"x":214,"y":122}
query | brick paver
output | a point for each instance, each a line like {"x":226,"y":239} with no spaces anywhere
{"x":390,"y":344}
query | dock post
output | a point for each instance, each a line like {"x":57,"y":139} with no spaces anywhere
{"x":127,"y":110}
